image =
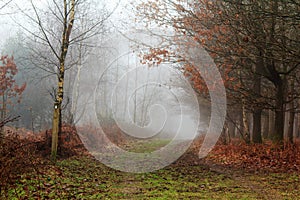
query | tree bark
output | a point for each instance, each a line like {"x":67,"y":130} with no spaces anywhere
{"x":266,"y":126}
{"x":246,"y":134}
{"x":279,"y":114}
{"x":296,"y":126}
{"x":3,"y":115}
{"x":271,"y":124}
{"x":290,"y":135}
{"x":256,"y":132}
{"x":231,"y":129}
{"x":69,"y":17}
{"x":290,"y":132}
{"x":256,"y":136}
{"x":55,"y":131}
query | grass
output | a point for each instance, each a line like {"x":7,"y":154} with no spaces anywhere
{"x":145,"y":146}
{"x":85,"y":178}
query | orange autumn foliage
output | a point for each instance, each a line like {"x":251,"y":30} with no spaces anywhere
{"x":8,"y":87}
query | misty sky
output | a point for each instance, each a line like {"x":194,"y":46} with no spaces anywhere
{"x":9,"y":29}
{"x":11,"y":13}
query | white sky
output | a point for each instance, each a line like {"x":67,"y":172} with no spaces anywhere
{"x":9,"y":28}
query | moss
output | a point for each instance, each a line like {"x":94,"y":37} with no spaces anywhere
{"x":85,"y":178}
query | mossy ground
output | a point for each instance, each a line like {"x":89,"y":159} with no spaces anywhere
{"x":86,"y":178}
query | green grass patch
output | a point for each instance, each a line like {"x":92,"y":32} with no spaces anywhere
{"x":86,"y":178}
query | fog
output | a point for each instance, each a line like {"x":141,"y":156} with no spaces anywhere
{"x":141,"y":99}
{"x":110,"y":84}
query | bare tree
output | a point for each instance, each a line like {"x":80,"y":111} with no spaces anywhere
{"x":59,"y":27}
{"x":253,"y":42}
{"x":3,"y":4}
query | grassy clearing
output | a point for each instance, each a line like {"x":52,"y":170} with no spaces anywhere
{"x":145,"y":146}
{"x":85,"y":178}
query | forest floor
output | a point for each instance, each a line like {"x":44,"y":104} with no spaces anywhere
{"x":83,"y":177}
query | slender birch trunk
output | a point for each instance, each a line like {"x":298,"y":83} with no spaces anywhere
{"x":69,"y":17}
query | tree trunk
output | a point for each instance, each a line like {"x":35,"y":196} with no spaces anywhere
{"x":3,"y":115}
{"x":256,"y":137}
{"x":69,"y":17}
{"x":225,"y":135}
{"x":290,"y":135}
{"x":296,"y":126}
{"x":286,"y":124}
{"x":55,"y":131}
{"x":271,"y":124}
{"x":57,"y":118}
{"x":290,"y":132}
{"x":266,"y":126}
{"x":231,"y":129}
{"x":279,"y":114}
{"x":256,"y":131}
{"x":240,"y":126}
{"x":246,"y":134}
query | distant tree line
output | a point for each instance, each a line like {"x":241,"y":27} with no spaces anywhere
{"x":255,"y":45}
